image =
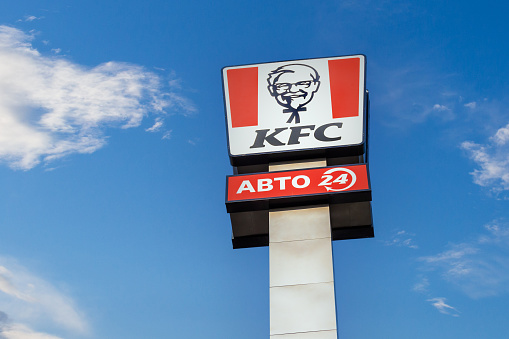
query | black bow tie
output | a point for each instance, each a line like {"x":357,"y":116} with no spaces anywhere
{"x":295,"y":114}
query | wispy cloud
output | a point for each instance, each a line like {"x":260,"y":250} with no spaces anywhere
{"x":10,"y":330}
{"x":29,"y":18}
{"x":402,"y":238}
{"x":51,"y":107}
{"x":156,"y":126}
{"x":471,"y":105}
{"x":414,"y":95}
{"x":442,"y":307}
{"x":440,"y":108}
{"x":493,"y":160}
{"x":480,"y":267}
{"x":422,"y":286}
{"x":32,"y":302}
{"x":167,"y":135}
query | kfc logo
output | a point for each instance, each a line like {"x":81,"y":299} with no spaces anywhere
{"x":292,"y":106}
{"x":293,"y":87}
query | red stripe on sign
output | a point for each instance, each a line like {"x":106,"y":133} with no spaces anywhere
{"x":243,"y":95}
{"x":322,"y":180}
{"x":344,"y":87}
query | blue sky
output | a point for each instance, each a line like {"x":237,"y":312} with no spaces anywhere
{"x":113,"y":161}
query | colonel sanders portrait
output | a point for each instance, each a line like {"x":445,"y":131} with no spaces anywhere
{"x":293,"y":87}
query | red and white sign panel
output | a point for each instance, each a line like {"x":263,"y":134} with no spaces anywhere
{"x":324,"y":180}
{"x":295,"y":105}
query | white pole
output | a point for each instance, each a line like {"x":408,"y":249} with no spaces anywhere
{"x":302,"y":302}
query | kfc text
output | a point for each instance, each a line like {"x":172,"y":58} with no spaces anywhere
{"x":324,"y":133}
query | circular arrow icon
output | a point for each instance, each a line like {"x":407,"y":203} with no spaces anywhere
{"x":345,"y":176}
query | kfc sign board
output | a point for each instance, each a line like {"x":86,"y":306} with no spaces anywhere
{"x":295,"y":105}
{"x":313,"y":184}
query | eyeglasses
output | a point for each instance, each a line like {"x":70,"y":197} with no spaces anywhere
{"x":285,"y":87}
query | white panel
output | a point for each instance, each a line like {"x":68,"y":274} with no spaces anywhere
{"x":318,"y":112}
{"x":301,"y":262}
{"x":308,"y":335}
{"x":302,"y":308}
{"x":299,"y":224}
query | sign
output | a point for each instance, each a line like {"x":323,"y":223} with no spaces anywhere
{"x":294,"y":106}
{"x":257,"y":191}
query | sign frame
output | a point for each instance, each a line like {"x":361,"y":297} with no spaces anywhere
{"x":326,"y":151}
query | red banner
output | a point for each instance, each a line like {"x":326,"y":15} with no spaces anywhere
{"x":344,"y":87}
{"x":297,"y":183}
{"x":243,"y":91}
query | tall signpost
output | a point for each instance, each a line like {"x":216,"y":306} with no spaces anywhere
{"x":297,"y":141}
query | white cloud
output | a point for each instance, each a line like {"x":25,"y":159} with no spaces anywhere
{"x":29,"y":18}
{"x":442,"y":307}
{"x":51,"y":107}
{"x":440,"y":108}
{"x":402,"y":238}
{"x":458,"y":252}
{"x":156,"y":126}
{"x":471,"y":105}
{"x":167,"y":135}
{"x":33,"y":302}
{"x":502,"y":136}
{"x":10,"y":330}
{"x":493,"y":159}
{"x":422,"y":286}
{"x":480,"y":267}
{"x":8,"y":287}
{"x":194,"y":141}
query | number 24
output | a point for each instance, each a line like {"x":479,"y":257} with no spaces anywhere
{"x":341,"y":179}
